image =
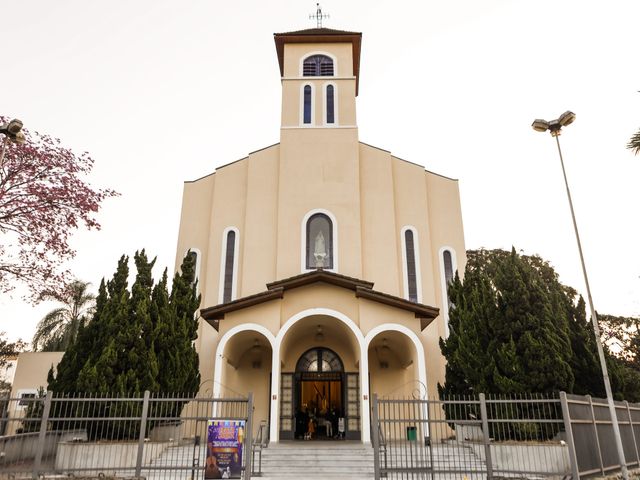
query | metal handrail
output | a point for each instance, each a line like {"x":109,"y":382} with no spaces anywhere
{"x":382,"y":445}
{"x":261,"y":441}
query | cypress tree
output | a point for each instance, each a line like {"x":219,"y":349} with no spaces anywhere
{"x":469,"y":366}
{"x":164,"y":335}
{"x":76,"y":371}
{"x":508,"y":330}
{"x":585,"y":362}
{"x":142,"y":339}
{"x":137,"y":341}
{"x":184,"y":302}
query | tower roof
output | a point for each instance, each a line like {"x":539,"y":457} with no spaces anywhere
{"x":320,"y":35}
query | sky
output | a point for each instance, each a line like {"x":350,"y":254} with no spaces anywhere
{"x":161,"y":91}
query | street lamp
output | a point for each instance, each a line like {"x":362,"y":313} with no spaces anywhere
{"x":13,"y":133}
{"x":555,"y":127}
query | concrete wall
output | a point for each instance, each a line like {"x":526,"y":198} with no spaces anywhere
{"x":23,"y":447}
{"x":104,"y":456}
{"x":542,"y":457}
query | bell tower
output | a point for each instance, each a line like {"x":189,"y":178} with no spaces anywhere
{"x":319,"y":69}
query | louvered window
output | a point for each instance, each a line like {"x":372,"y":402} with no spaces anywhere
{"x":317,"y":66}
{"x":228,"y":266}
{"x":411,"y":266}
{"x":330,"y":105}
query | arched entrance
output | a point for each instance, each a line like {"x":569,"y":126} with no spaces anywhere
{"x":396,"y":362}
{"x":243,"y":364}
{"x":319,"y":393}
{"x":301,"y":335}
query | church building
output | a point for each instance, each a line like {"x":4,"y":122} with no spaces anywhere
{"x":323,"y":262}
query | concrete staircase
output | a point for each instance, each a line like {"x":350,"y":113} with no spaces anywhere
{"x":349,"y":460}
{"x":317,"y":459}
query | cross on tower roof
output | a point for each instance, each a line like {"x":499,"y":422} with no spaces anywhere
{"x":318,"y":16}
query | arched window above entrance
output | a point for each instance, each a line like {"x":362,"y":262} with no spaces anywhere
{"x":319,"y":242}
{"x":319,"y":360}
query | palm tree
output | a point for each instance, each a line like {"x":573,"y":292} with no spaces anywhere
{"x":58,"y":329}
{"x":634,"y":143}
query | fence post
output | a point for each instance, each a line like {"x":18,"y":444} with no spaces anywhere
{"x":143,"y":428}
{"x":43,"y":433}
{"x":566,"y":417}
{"x":633,"y":433}
{"x":375,"y":432}
{"x":487,"y":438}
{"x":595,"y":433}
{"x":248,"y":465}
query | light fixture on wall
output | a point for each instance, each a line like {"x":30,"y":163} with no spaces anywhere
{"x":384,"y":352}
{"x":319,"y":335}
{"x":256,"y":354}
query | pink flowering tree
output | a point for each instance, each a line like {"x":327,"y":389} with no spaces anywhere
{"x":44,"y":198}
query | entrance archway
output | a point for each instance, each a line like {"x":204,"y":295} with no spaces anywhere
{"x":418,"y":383}
{"x":243,"y":364}
{"x":300,"y":334}
{"x":319,"y":393}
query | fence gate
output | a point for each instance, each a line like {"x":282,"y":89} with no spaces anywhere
{"x":472,"y":437}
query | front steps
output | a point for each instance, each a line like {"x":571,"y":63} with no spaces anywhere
{"x":317,"y":459}
{"x":349,"y":460}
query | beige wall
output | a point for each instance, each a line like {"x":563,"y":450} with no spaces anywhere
{"x":292,"y":83}
{"x":32,"y":369}
{"x":372,"y":196}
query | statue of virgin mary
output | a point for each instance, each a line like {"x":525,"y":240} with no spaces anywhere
{"x":320,"y":250}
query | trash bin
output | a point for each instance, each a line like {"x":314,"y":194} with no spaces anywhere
{"x":412,"y":434}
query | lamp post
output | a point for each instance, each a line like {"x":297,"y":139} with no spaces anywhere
{"x":555,"y":128}
{"x":12,"y":132}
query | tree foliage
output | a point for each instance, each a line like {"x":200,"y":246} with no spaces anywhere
{"x":58,"y":328}
{"x":634,"y":143}
{"x":43,"y":200}
{"x":7,"y":350}
{"x":139,"y":339}
{"x":623,"y":335}
{"x":516,"y":329}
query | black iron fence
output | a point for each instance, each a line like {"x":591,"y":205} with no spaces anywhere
{"x":153,"y":436}
{"x":507,"y":436}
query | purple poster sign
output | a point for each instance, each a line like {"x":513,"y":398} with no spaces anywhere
{"x":224,"y":448}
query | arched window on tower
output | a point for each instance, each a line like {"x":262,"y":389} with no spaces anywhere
{"x":317,"y":66}
{"x":330,"y":104}
{"x":319,"y":242}
{"x":229,"y":266}
{"x":307,"y":104}
{"x":410,"y":253}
